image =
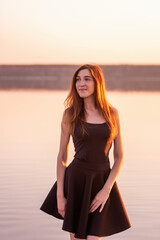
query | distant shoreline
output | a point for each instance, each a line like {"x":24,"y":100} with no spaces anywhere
{"x":121,"y":77}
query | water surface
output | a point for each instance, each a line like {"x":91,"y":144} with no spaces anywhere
{"x":29,"y":144}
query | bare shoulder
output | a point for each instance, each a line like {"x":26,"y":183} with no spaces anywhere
{"x":65,"y":120}
{"x":65,"y":116}
{"x":116,"y":117}
{"x":114,"y":111}
{"x":65,"y":136}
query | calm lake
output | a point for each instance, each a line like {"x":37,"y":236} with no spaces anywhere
{"x":30,"y":124}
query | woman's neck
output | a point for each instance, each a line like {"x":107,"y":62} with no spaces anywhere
{"x":89,"y":105}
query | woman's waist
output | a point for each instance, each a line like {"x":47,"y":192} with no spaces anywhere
{"x":92,"y":165}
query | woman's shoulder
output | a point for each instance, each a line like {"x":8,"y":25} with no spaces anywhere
{"x":113,"y":110}
{"x":115,"y":114}
{"x":66,"y":114}
{"x":65,"y":122}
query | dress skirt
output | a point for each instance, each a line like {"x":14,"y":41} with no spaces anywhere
{"x":82,"y":181}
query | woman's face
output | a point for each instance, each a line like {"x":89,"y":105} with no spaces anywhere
{"x":85,"y":84}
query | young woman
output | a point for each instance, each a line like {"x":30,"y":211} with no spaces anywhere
{"x":86,"y":195}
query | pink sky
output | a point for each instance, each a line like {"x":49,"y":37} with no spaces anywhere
{"x":60,"y":31}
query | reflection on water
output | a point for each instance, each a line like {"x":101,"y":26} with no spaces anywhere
{"x":29,"y":144}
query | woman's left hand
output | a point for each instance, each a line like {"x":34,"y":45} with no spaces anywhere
{"x":100,"y":199}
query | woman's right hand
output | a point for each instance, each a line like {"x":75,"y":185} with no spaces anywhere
{"x":61,"y":204}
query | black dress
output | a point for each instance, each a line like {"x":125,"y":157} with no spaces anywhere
{"x":84,"y":178}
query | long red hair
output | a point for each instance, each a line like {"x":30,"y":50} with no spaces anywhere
{"x":75,"y":104}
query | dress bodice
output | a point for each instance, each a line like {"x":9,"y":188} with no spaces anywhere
{"x":95,"y":145}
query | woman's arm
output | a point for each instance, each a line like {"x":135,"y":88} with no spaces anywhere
{"x":118,"y":155}
{"x":62,"y":157}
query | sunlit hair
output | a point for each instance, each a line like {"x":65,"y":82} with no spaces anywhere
{"x":74,"y":104}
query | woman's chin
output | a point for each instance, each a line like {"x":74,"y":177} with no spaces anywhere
{"x":82,"y":94}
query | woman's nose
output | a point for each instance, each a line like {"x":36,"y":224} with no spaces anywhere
{"x":82,"y":82}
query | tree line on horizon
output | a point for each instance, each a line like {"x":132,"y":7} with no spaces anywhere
{"x":58,"y":77}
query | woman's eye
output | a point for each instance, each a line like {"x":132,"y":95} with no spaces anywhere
{"x":85,"y":79}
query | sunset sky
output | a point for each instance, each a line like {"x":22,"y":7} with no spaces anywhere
{"x":78,"y":31}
